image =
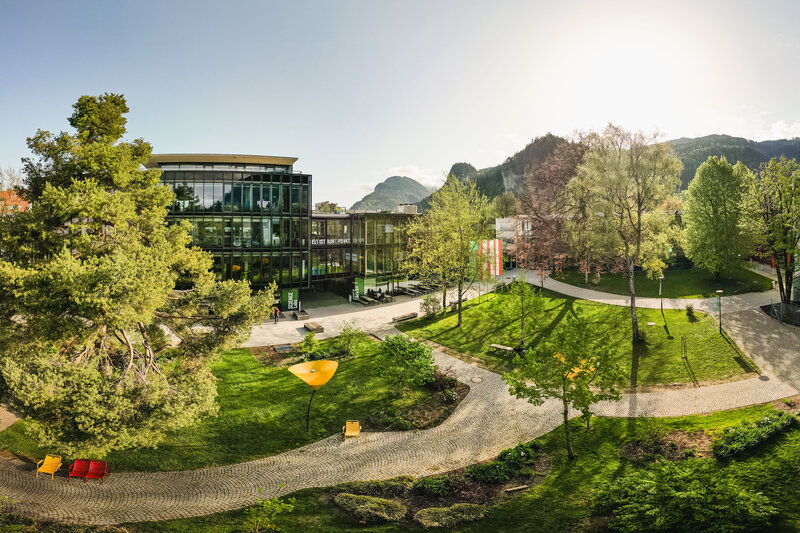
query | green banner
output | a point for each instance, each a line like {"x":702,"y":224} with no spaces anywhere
{"x":289,"y":299}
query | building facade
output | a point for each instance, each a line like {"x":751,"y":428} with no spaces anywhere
{"x":254,"y":214}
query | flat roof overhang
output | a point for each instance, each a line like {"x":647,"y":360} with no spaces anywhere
{"x":160,"y":159}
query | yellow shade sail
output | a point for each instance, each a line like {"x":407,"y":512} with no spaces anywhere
{"x":315,"y":373}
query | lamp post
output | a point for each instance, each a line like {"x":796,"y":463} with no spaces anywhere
{"x":315,"y":374}
{"x":719,"y":302}
{"x":660,"y":279}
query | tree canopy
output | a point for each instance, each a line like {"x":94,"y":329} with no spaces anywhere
{"x":100,"y":351}
{"x":718,"y":226}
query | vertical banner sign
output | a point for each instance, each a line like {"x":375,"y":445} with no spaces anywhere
{"x":358,"y":288}
{"x":289,"y":299}
{"x":491,"y":251}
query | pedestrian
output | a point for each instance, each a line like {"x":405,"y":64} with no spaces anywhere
{"x":276,"y":312}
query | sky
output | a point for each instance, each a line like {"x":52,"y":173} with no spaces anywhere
{"x":362,"y":90}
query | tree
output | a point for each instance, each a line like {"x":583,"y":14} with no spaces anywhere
{"x":327,"y":207}
{"x":349,"y":338}
{"x":261,"y":517}
{"x":526,"y":305}
{"x":10,"y":178}
{"x":692,"y":495}
{"x":443,"y":242}
{"x":572,"y":366}
{"x":505,"y":204}
{"x":718,"y":228}
{"x":776,"y":198}
{"x":630,"y":180}
{"x":543,"y":204}
{"x":100,"y":352}
{"x":309,"y":346}
{"x":406,"y":362}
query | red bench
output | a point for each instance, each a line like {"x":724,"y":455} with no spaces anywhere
{"x":78,"y":469}
{"x":97,"y":470}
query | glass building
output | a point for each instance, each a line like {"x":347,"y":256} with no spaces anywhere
{"x":254,"y":214}
{"x":251,"y":212}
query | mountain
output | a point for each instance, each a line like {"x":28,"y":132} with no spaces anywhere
{"x":391,"y":192}
{"x":693,"y":152}
{"x":507,"y":176}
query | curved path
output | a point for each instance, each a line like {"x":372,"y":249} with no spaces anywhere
{"x":487,"y":421}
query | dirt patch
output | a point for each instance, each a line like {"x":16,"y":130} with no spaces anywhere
{"x":7,"y":418}
{"x":435,"y":409}
{"x":675,"y":446}
{"x":790,"y":404}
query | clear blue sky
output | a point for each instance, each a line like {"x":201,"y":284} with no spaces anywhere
{"x":363,"y":90}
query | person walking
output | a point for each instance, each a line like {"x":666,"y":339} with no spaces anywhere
{"x":277,"y":313}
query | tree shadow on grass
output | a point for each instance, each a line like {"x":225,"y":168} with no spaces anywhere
{"x":566,"y":306}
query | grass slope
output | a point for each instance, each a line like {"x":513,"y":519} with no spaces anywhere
{"x":656,"y":361}
{"x":692,"y":283}
{"x":262,"y":412}
{"x":564,"y":500}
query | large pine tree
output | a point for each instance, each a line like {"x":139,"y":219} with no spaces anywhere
{"x":99,"y":350}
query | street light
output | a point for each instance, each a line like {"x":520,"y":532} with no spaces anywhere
{"x":719,"y":301}
{"x":660,"y":279}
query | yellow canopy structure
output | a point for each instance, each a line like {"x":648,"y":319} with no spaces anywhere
{"x":315,"y":374}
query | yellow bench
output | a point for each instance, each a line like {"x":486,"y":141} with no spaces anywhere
{"x":48,"y":465}
{"x":352,"y":429}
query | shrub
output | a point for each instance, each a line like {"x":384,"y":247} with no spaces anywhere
{"x":406,"y":362}
{"x":517,"y":457}
{"x":309,"y":346}
{"x":686,"y":496}
{"x":748,"y":435}
{"x":689,"y":310}
{"x":397,"y":487}
{"x":650,"y":432}
{"x":436,"y":486}
{"x":369,"y":508}
{"x":459,"y":513}
{"x":349,"y":338}
{"x":493,"y":472}
{"x":261,"y":517}
{"x":450,"y":396}
{"x":429,"y":305}
{"x":444,"y":379}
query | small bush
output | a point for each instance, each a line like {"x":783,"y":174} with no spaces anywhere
{"x":517,"y":457}
{"x":650,"y":432}
{"x":493,"y":472}
{"x":436,"y":486}
{"x":369,"y":508}
{"x":309,"y":346}
{"x":406,"y":362}
{"x":444,"y":379}
{"x":748,"y":435}
{"x":261,"y":517}
{"x":397,"y":487}
{"x":429,"y":305}
{"x":689,"y":310}
{"x":450,"y":396}
{"x":459,"y":513}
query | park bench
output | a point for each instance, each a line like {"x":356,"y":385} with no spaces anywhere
{"x":501,"y":348}
{"x":313,"y":326}
{"x":97,"y":470}
{"x":301,"y":315}
{"x":411,"y":292}
{"x":368,"y":300}
{"x":403,"y":318}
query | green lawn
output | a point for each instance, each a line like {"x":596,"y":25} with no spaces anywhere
{"x":656,"y":361}
{"x":694,"y":283}
{"x":564,"y":500}
{"x":262,"y":412}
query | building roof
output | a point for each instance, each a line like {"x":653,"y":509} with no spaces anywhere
{"x":159,"y":159}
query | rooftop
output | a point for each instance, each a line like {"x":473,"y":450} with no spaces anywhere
{"x":160,"y":159}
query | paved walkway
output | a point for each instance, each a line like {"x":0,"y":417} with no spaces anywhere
{"x":487,"y":421}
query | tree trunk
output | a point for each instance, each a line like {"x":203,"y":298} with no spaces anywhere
{"x":444,"y":299}
{"x":522,"y":320}
{"x":717,"y":276}
{"x":460,"y":297}
{"x":634,"y":319}
{"x":570,"y":453}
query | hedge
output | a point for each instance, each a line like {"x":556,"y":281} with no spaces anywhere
{"x":436,"y":486}
{"x":369,"y":508}
{"x":459,"y":513}
{"x":748,"y":435}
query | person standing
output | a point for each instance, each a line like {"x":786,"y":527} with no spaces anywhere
{"x":276,"y":313}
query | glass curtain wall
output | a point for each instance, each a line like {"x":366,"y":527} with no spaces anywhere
{"x":256,"y":224}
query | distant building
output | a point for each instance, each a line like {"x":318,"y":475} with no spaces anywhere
{"x":11,"y":203}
